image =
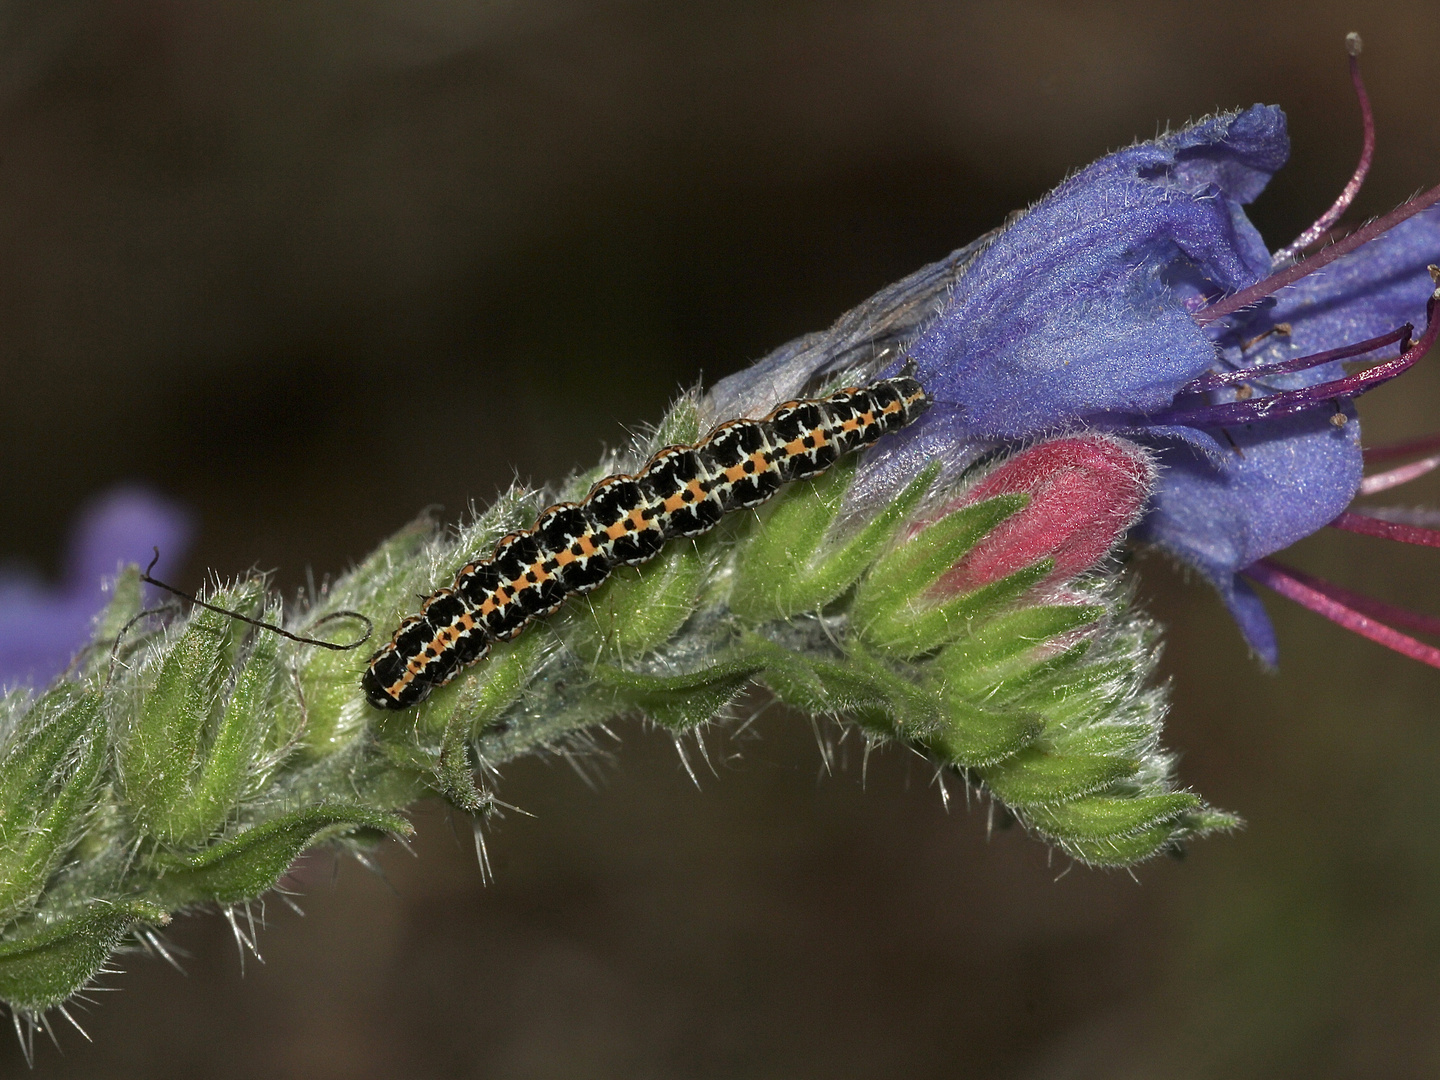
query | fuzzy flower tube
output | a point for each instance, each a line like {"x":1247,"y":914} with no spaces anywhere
{"x":1124,"y":361}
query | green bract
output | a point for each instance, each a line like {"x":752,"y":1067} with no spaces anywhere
{"x":186,"y":761}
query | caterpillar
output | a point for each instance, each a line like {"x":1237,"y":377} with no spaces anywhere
{"x":625,"y":520}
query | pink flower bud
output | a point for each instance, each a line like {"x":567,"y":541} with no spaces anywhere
{"x":1085,"y":492}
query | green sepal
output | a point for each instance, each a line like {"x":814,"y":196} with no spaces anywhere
{"x":638,"y":609}
{"x":243,"y":866}
{"x":823,"y":686}
{"x":1096,"y":818}
{"x":678,"y":702}
{"x":385,"y":587}
{"x":475,"y":700}
{"x":162,"y":751}
{"x":811,"y":685}
{"x":1123,"y":738}
{"x":973,"y":736}
{"x":922,"y":628}
{"x":125,"y":604}
{"x":1122,"y":850}
{"x":471,"y":704}
{"x":1209,"y":820}
{"x":786,"y":567}
{"x":916,"y":707}
{"x":877,"y":698}
{"x":229,"y":761}
{"x":42,"y":963}
{"x":455,"y":779}
{"x":1040,"y":682}
{"x":681,"y":425}
{"x":1152,"y":840}
{"x":1037,"y":777}
{"x":64,"y":750}
{"x":896,"y":585}
{"x":1085,"y":695}
{"x":1001,"y":648}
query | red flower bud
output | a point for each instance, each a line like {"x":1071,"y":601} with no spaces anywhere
{"x":1085,"y":492}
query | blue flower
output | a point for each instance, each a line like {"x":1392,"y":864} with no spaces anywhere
{"x":1095,"y":309}
{"x":42,"y":626}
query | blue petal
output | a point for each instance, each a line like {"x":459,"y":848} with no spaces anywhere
{"x":1283,"y":480}
{"x":1249,"y":613}
{"x":1073,"y":309}
{"x":1075,"y":289}
{"x":1295,"y":475}
{"x":1237,"y":152}
{"x":1077,"y":308}
{"x":125,"y":525}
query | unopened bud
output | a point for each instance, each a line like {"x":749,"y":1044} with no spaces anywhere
{"x":1085,"y":492}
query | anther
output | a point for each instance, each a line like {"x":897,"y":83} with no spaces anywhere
{"x":1279,"y":328}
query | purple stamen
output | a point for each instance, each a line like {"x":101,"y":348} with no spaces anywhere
{"x":1214,"y":380}
{"x":1367,"y":152}
{"x":1378,"y":482}
{"x":1390,"y":451}
{"x":1289,"y":402}
{"x":1386,"y":530}
{"x":1377,"y":609}
{"x":1356,"y":613}
{"x":1324,"y":257}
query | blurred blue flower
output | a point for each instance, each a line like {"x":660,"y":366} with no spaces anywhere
{"x":42,"y":625}
{"x":1089,"y":310}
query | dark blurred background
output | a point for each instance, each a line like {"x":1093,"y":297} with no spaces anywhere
{"x":310,"y":267}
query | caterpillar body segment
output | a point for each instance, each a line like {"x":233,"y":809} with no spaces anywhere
{"x":626,"y":520}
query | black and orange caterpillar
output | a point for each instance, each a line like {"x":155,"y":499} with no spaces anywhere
{"x":573,"y":547}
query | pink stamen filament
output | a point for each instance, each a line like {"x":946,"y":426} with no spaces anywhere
{"x":1324,"y":257}
{"x":1373,"y":485}
{"x":1214,"y":380}
{"x":1367,"y":154}
{"x":1389,"y":452}
{"x":1356,"y":613}
{"x":1386,"y":530}
{"x":1289,"y":402}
